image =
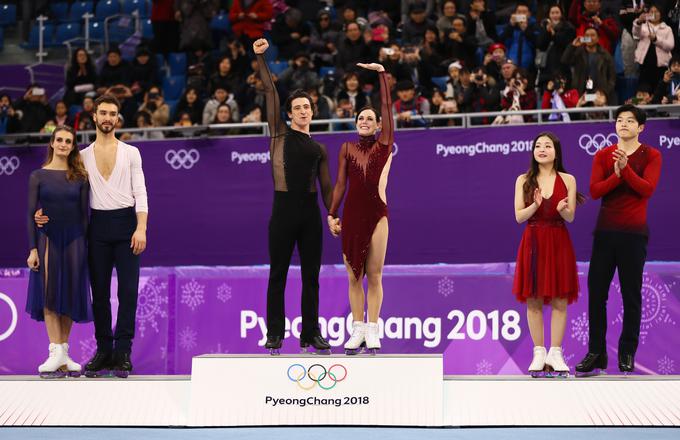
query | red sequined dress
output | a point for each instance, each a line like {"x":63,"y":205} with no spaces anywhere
{"x":365,"y":163}
{"x":546,"y":263}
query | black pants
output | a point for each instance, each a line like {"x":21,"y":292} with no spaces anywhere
{"x":110,"y":234}
{"x":627,"y":253}
{"x":295,"y":219}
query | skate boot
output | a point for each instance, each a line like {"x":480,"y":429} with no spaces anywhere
{"x":554,"y":363}
{"x":592,"y":365}
{"x":537,"y":367}
{"x":274,"y":344}
{"x":122,"y":365}
{"x":318,"y":342}
{"x":55,"y":365}
{"x":72,"y":367}
{"x":626,"y":363}
{"x":357,"y":341}
{"x":100,"y":365}
{"x":372,"y":338}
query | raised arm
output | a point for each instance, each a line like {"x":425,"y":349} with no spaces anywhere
{"x":387,"y":131}
{"x":340,"y":182}
{"x":276,"y":126}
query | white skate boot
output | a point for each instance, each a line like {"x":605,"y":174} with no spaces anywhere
{"x":55,"y":365}
{"x":72,"y":366}
{"x":372,"y":338}
{"x":538,"y":362}
{"x":554,"y":363}
{"x":357,"y":341}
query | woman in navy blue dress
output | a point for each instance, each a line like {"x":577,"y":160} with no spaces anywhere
{"x":58,"y":288}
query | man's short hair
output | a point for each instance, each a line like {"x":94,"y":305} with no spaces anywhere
{"x":299,"y":93}
{"x":107,"y":99}
{"x":638,"y":113}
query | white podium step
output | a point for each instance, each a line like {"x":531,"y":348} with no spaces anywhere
{"x":241,"y":390}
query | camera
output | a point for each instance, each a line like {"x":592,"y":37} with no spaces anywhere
{"x":153,"y":95}
{"x":585,"y":39}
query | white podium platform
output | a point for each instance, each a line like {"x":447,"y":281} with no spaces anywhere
{"x":233,"y":390}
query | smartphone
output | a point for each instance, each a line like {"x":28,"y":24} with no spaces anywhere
{"x":388,"y":51}
{"x":38,"y":91}
{"x":590,"y":97}
{"x":520,"y":18}
{"x":585,"y":39}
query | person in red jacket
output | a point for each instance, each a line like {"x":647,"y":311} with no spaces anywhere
{"x":556,"y":95}
{"x":624,"y":176}
{"x":585,"y":14}
{"x":249,"y":17}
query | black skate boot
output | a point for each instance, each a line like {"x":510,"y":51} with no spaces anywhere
{"x":318,"y":342}
{"x":626,"y":363}
{"x":122,"y":366}
{"x":100,"y":365}
{"x":592,"y":365}
{"x":274,"y":344}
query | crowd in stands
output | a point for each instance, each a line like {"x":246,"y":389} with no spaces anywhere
{"x":442,"y":57}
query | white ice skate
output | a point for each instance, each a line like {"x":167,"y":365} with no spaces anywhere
{"x":357,"y":341}
{"x":538,"y":362}
{"x":554,"y":363}
{"x":372,"y":338}
{"x":55,"y":365}
{"x":72,"y":366}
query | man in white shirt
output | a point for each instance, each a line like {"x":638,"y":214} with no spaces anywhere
{"x":116,"y":237}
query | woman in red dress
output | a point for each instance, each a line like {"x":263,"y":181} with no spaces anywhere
{"x":366,"y":164}
{"x":545,"y":272}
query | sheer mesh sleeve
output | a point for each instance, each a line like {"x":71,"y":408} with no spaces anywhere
{"x":387,"y":132}
{"x":340,"y":183}
{"x":84,"y":205}
{"x":33,"y":188}
{"x":277,"y":127}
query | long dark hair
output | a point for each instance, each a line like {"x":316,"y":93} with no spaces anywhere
{"x":531,"y":181}
{"x":76,"y":168}
{"x":89,"y":64}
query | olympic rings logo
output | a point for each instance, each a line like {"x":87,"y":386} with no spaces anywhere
{"x":593,"y":144}
{"x":8,"y":165}
{"x":182,"y":158}
{"x":395,"y":149}
{"x":317,"y":374}
{"x":13,"y":323}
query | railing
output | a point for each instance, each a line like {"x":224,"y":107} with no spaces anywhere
{"x":672,"y":111}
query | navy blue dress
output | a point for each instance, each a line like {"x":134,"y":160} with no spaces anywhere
{"x":62,"y":282}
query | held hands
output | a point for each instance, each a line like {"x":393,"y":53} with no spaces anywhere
{"x":40,"y":219}
{"x":372,"y":66}
{"x":538,"y":197}
{"x":138,"y":242}
{"x":334,"y":225}
{"x":33,"y":261}
{"x":563,"y":204}
{"x":260,"y":46}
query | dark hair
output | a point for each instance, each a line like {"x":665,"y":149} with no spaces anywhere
{"x":299,"y":93}
{"x":76,"y":168}
{"x":639,"y":115}
{"x":448,"y":1}
{"x":217,"y":111}
{"x":106,"y":99}
{"x":89,"y":65}
{"x":348,"y":75}
{"x":674,"y":59}
{"x":367,"y":107}
{"x":144,"y":114}
{"x":522,"y":3}
{"x":531,"y":182}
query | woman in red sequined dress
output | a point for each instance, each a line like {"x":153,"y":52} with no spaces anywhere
{"x":366,"y":164}
{"x":545,"y":272}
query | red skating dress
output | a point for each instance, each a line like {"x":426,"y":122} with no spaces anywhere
{"x":546,"y":264}
{"x":365,"y":164}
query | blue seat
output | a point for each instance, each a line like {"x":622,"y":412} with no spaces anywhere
{"x":277,"y":67}
{"x":8,"y":15}
{"x":96,"y":30}
{"x":34,"y":36}
{"x":440,"y":82}
{"x":129,"y":6}
{"x":73,"y":110}
{"x":59,"y":11}
{"x":66,"y":31}
{"x":173,"y":86}
{"x":323,"y":71}
{"x":80,"y":8}
{"x":147,"y":29}
{"x":106,"y":8}
{"x":121,"y":29}
{"x":220,"y":23}
{"x":177,"y":63}
{"x":272,"y":53}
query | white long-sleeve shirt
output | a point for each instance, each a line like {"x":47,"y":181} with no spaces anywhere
{"x":125,"y":188}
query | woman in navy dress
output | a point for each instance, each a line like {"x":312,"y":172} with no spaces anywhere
{"x":58,"y":289}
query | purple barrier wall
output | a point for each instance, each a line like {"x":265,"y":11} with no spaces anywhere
{"x":450,"y":195}
{"x":464,"y":311}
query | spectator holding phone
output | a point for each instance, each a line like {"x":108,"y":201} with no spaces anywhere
{"x":586,"y":14}
{"x":114,"y":71}
{"x":655,"y":43}
{"x":554,"y":36}
{"x":9,"y":122}
{"x":520,"y":35}
{"x":558,"y":96}
{"x":32,"y":110}
{"x":669,"y":86}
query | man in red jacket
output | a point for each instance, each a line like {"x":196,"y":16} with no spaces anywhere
{"x":625,"y":176}
{"x":248,"y":19}
{"x":585,"y":14}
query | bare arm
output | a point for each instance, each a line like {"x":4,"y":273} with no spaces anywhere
{"x":340,"y":183}
{"x":567,"y":207}
{"x":523,"y":212}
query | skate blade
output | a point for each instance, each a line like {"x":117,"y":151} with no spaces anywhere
{"x":372,"y":351}
{"x":322,"y":352}
{"x":98,"y":373}
{"x":121,"y":374}
{"x":537,"y":374}
{"x":595,"y":372}
{"x":274,"y":352}
{"x":354,"y":351}
{"x":74,"y":374}
{"x":53,"y":375}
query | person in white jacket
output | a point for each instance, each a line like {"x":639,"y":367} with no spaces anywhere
{"x":652,"y":33}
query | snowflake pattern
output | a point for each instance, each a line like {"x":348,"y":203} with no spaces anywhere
{"x":192,"y":294}
{"x":579,"y":328}
{"x":88,"y":347}
{"x":187,"y":339}
{"x":224,"y":292}
{"x":445,"y":286}
{"x":151,"y":305}
{"x":484,"y":367}
{"x":665,"y":365}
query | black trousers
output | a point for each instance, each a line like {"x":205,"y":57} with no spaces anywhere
{"x":295,"y":219}
{"x":110,"y":234}
{"x":627,"y":253}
